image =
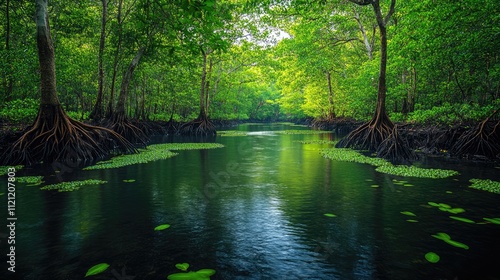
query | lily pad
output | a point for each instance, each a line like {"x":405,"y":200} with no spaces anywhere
{"x":182,"y":266}
{"x":206,"y":272}
{"x":465,"y":220}
{"x":330,"y":215}
{"x":408,"y":213}
{"x":442,"y":236}
{"x":432,"y":257}
{"x":493,"y":220}
{"x":162,"y":227}
{"x":444,"y":205}
{"x":96,"y":269}
{"x":456,"y":244}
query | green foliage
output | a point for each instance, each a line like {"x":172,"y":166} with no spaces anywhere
{"x":4,"y":170}
{"x":18,"y":110}
{"x":342,"y":154}
{"x":446,"y":238}
{"x":432,"y":257}
{"x":485,"y":185}
{"x":97,"y":269}
{"x":151,"y":153}
{"x":32,"y":180}
{"x":73,"y":185}
{"x":162,"y":227}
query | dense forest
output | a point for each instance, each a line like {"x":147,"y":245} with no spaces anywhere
{"x":192,"y":62}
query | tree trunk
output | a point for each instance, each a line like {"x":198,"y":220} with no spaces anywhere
{"x":203,"y":113}
{"x":331,"y":108}
{"x":8,"y":82}
{"x":127,"y":77}
{"x":98,"y":111}
{"x":109,"y":110}
{"x":46,"y":55}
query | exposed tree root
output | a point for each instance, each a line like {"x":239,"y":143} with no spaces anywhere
{"x":482,"y":140}
{"x":395,"y":149}
{"x":56,"y":137}
{"x":120,"y":124}
{"x":198,"y":127}
{"x":379,"y":135}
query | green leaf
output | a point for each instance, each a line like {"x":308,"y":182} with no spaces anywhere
{"x":433,"y":204}
{"x":412,"y":221}
{"x":432,"y":257}
{"x":456,"y":244}
{"x":129,"y":181}
{"x":465,"y":220}
{"x":182,"y":266}
{"x":206,"y":272}
{"x":408,"y":213}
{"x":442,"y":236}
{"x":96,"y":269}
{"x":330,"y":215}
{"x":493,"y":220}
{"x":374,"y":186}
{"x":456,"y":210}
{"x":162,"y":227}
{"x":183,"y":276}
{"x":444,"y":205}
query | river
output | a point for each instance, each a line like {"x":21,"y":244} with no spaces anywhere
{"x":255,"y":210}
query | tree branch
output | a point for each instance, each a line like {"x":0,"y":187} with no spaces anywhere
{"x":391,"y":11}
{"x":362,"y":2}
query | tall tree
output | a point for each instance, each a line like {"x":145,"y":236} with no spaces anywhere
{"x":379,"y":134}
{"x":54,"y":136}
{"x":98,"y":111}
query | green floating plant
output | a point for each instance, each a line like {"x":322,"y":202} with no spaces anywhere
{"x":152,"y":153}
{"x":202,"y":274}
{"x":330,"y":215}
{"x":412,"y":221}
{"x":446,"y":208}
{"x":31,"y":180}
{"x":493,"y":220}
{"x":465,"y":220}
{"x":446,"y":238}
{"x":162,"y":227}
{"x":5,"y":169}
{"x":408,"y":213}
{"x":129,"y":181}
{"x":432,"y":257}
{"x":485,"y":185}
{"x":318,"y":142}
{"x":383,"y":166}
{"x":375,"y":186}
{"x":72,"y":185}
{"x":96,"y":269}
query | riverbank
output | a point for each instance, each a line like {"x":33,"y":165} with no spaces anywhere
{"x":435,"y":140}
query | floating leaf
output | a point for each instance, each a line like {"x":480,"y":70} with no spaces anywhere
{"x":465,"y":220}
{"x":330,"y":215}
{"x":456,"y":244}
{"x":442,"y":236}
{"x":412,"y":221}
{"x":185,"y":276}
{"x":129,"y":181}
{"x":433,"y":204}
{"x":493,"y":220}
{"x":449,"y":192}
{"x":206,"y":272}
{"x":485,"y":185}
{"x":432,"y":257}
{"x":456,"y":210}
{"x":444,"y":205}
{"x":408,"y":213}
{"x":96,"y":269}
{"x":182,"y":266}
{"x":407,"y":185}
{"x":162,"y":227}
{"x":374,"y":186}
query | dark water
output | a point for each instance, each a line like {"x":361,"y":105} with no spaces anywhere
{"x":254,"y":210}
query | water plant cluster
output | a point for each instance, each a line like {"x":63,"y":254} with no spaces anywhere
{"x":151,"y":153}
{"x":72,"y":185}
{"x":485,"y":185}
{"x":383,"y":166}
{"x":31,"y":180}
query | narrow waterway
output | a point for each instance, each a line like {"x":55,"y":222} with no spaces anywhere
{"x":255,"y":210}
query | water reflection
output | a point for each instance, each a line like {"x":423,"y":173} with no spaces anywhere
{"x":253,"y":210}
